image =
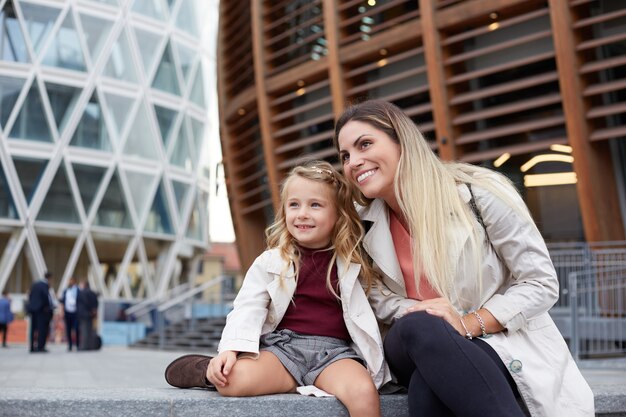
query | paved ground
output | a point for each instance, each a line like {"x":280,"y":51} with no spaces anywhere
{"x":121,"y":381}
{"x":120,"y":367}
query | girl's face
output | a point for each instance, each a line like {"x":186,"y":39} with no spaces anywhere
{"x":370,"y":159}
{"x":310,"y":212}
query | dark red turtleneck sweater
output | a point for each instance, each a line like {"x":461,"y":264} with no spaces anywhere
{"x":315,"y":310}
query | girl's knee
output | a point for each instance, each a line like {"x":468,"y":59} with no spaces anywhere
{"x":232,"y":390}
{"x":362,"y":400}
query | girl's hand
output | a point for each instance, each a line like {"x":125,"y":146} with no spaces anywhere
{"x":220,"y":366}
{"x":440,"y":307}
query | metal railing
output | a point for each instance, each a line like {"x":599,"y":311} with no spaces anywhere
{"x":182,"y":306}
{"x":591,"y":311}
{"x":583,"y":257}
{"x":146,"y":306}
{"x":597,"y":302}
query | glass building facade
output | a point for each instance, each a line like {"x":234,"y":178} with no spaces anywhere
{"x":104,"y":117}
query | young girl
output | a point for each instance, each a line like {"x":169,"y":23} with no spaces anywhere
{"x":302,"y":316}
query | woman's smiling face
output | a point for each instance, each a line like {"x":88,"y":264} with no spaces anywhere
{"x":370,"y":159}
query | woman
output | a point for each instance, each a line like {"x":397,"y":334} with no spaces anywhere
{"x":459,"y":240}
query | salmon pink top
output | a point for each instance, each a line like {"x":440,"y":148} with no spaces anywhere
{"x":403,"y":244}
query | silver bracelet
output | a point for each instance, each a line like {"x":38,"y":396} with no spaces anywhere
{"x":481,"y":323}
{"x":468,"y":334}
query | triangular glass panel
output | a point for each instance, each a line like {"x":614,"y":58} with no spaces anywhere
{"x":159,"y":220}
{"x":89,"y":178}
{"x":197,"y":135}
{"x":82,"y":266}
{"x":185,"y":57}
{"x":58,"y":205}
{"x":10,"y":89}
{"x":38,"y":21}
{"x":113,"y":210}
{"x":152,"y":8}
{"x":91,"y":131}
{"x":31,"y":122}
{"x":166,"y":117}
{"x":119,"y":106}
{"x":7,"y":203}
{"x":12,"y":42}
{"x":181,"y":190}
{"x":148,"y":44}
{"x":29,"y":171}
{"x":63,"y":99}
{"x":194,"y":227}
{"x":120,"y":64}
{"x":65,"y":50}
{"x":140,"y":185}
{"x":131,"y":283}
{"x":165,"y":78}
{"x":96,"y":32}
{"x":20,"y":269}
{"x":188,"y":17}
{"x":181,"y":153}
{"x":140,"y":140}
{"x":197,"y":90}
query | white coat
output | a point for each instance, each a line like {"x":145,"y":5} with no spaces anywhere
{"x":519,"y":286}
{"x":262,"y":302}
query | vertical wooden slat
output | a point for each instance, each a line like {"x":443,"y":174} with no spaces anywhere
{"x":592,"y":161}
{"x":224,"y":137}
{"x":260,"y":71}
{"x":335,"y":69}
{"x":442,"y":113}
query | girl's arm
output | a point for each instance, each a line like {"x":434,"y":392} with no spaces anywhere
{"x":220,"y":366}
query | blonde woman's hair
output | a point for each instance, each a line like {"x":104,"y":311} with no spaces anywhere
{"x":426,"y":190}
{"x":346,"y":235}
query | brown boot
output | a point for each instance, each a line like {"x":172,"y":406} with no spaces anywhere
{"x":189,"y":371}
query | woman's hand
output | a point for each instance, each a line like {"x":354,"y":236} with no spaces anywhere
{"x":220,"y":366}
{"x":440,"y":307}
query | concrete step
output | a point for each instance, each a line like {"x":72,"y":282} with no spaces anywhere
{"x":205,"y":335}
{"x":174,"y":402}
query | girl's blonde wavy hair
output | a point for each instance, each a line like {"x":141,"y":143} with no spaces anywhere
{"x":346,"y":235}
{"x":426,"y":190}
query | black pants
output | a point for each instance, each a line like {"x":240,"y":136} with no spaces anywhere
{"x":447,"y":374}
{"x":4,"y":328}
{"x":39,"y":329}
{"x":71,"y":324}
{"x":86,"y":333}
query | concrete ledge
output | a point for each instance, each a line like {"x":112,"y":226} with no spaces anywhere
{"x":172,"y":402}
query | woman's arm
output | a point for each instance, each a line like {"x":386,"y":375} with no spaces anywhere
{"x":387,"y":305}
{"x":521,"y":248}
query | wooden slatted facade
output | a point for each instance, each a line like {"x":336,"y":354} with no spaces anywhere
{"x":531,"y":88}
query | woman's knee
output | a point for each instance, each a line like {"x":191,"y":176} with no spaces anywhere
{"x":414,"y":326}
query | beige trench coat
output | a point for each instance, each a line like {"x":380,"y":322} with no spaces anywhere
{"x":262,"y":302}
{"x":519,"y":287}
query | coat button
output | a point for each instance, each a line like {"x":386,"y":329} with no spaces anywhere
{"x":271,"y":319}
{"x":515,"y":366}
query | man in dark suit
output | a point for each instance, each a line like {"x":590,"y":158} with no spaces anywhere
{"x":40,"y":308}
{"x":87,"y":309}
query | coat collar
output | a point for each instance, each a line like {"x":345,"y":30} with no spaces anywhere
{"x":378,"y":241}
